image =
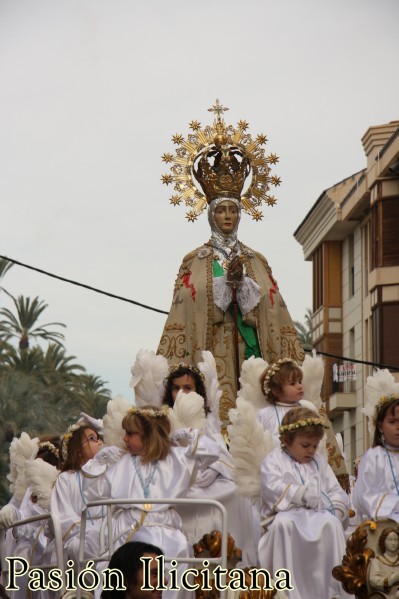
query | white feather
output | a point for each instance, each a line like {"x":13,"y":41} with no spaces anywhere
{"x":148,"y":375}
{"x":21,"y":449}
{"x":379,"y":384}
{"x":41,"y":477}
{"x":213,"y":391}
{"x":313,"y":374}
{"x":249,"y":445}
{"x":188,"y":411}
{"x":113,"y":432}
{"x":251,"y":389}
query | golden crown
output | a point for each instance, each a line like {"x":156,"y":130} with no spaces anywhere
{"x":220,"y":158}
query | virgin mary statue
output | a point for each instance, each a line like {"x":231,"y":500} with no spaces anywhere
{"x":225,"y":299}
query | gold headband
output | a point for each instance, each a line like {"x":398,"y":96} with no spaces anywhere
{"x":303,"y":423}
{"x":67,"y":436}
{"x":384,"y":400}
{"x":151,"y":412}
{"x":50,"y":447}
{"x":272,"y":370}
{"x":175,"y":367}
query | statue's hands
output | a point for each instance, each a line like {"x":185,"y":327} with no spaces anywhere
{"x":235,"y":270}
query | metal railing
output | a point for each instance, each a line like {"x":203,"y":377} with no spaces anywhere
{"x":110,"y":503}
{"x":59,"y":550}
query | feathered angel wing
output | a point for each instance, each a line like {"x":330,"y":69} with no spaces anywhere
{"x":148,"y":374}
{"x":188,"y":411}
{"x":380,"y":383}
{"x":41,"y":477}
{"x":213,"y":391}
{"x":21,"y":449}
{"x":113,"y":431}
{"x":251,"y":389}
{"x":313,"y":373}
{"x":249,"y":445}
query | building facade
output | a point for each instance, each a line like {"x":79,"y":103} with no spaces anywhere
{"x":351,"y":235}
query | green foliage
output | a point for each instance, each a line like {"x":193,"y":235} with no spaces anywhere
{"x":42,"y":391}
{"x":305,"y":330}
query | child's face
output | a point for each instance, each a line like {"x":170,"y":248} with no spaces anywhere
{"x":134,"y":443}
{"x":291,"y":392}
{"x":185,"y":383}
{"x":390,"y":427}
{"x":303,"y":448}
{"x":91,"y":444}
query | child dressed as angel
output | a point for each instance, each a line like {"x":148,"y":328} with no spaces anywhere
{"x":303,"y":499}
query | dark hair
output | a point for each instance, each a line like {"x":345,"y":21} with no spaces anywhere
{"x":293,"y":416}
{"x":387,"y":531}
{"x":289,"y":372}
{"x":126,"y":559}
{"x":185,"y":370}
{"x":46,"y":453}
{"x":74,"y":452}
{"x":387,"y":409}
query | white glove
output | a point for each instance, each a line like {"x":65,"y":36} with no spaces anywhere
{"x":95,"y":423}
{"x":311,"y":496}
{"x":108,"y":455}
{"x":205,"y":477}
{"x":183,"y":436}
{"x":297,"y":499}
{"x":8,"y":515}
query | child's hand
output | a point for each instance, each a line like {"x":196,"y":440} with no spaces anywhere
{"x":183,"y":436}
{"x":8,"y":515}
{"x":205,"y":477}
{"x":311,"y":498}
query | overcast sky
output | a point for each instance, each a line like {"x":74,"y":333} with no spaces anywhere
{"x":91,"y":92}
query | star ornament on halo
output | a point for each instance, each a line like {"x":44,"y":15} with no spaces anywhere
{"x":271,"y":200}
{"x":191,"y":216}
{"x":166,"y":179}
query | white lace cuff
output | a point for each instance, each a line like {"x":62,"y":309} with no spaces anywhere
{"x":248,"y":294}
{"x":222,"y":293}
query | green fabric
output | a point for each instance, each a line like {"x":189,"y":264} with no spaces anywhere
{"x":247,"y":333}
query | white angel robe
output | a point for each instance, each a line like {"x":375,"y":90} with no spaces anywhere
{"x":376,"y":492}
{"x":158,"y":524}
{"x":307,"y":542}
{"x":271,"y":416}
{"x":199,"y":520}
{"x":31,"y":542}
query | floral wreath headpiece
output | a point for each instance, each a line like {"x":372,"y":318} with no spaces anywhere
{"x":303,"y":423}
{"x":175,"y":367}
{"x":380,"y":389}
{"x":220,"y":158}
{"x":67,"y":436}
{"x":150,"y":412}
{"x":271,"y":371}
{"x":47,"y":445}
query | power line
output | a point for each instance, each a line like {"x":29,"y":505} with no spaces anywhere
{"x":49,"y":274}
{"x":125,"y":299}
{"x":345,"y":359}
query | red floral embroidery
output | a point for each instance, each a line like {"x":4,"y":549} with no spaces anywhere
{"x":273,"y":289}
{"x":185,"y":279}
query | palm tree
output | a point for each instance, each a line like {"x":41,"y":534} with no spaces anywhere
{"x":305,"y":330}
{"x":4,"y":266}
{"x":93,"y":395}
{"x":23,"y":325}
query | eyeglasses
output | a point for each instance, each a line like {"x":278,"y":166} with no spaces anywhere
{"x":92,"y":439}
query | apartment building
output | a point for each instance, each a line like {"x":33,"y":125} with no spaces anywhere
{"x":351,"y":236}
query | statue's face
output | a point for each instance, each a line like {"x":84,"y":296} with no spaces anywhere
{"x":226,"y":217}
{"x":392,"y":542}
